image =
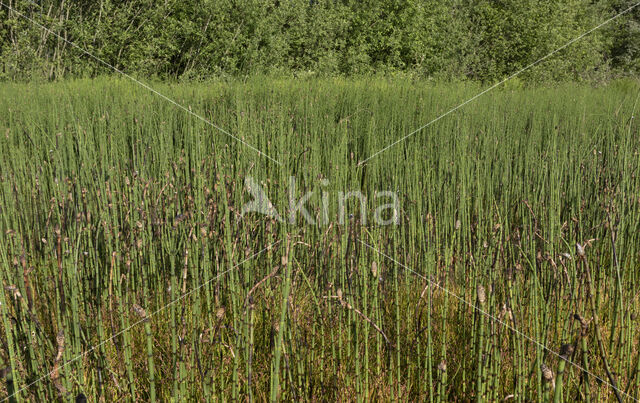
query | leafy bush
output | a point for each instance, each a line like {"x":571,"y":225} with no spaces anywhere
{"x":197,"y":39}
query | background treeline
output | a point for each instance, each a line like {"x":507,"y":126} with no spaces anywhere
{"x":193,"y":39}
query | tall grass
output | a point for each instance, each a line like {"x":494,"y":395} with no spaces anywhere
{"x":115,"y":204}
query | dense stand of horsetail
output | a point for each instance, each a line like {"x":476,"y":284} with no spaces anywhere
{"x":509,"y":271}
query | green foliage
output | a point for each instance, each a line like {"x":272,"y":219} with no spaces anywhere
{"x":625,"y":45}
{"x":194,"y":39}
{"x":511,"y":35}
